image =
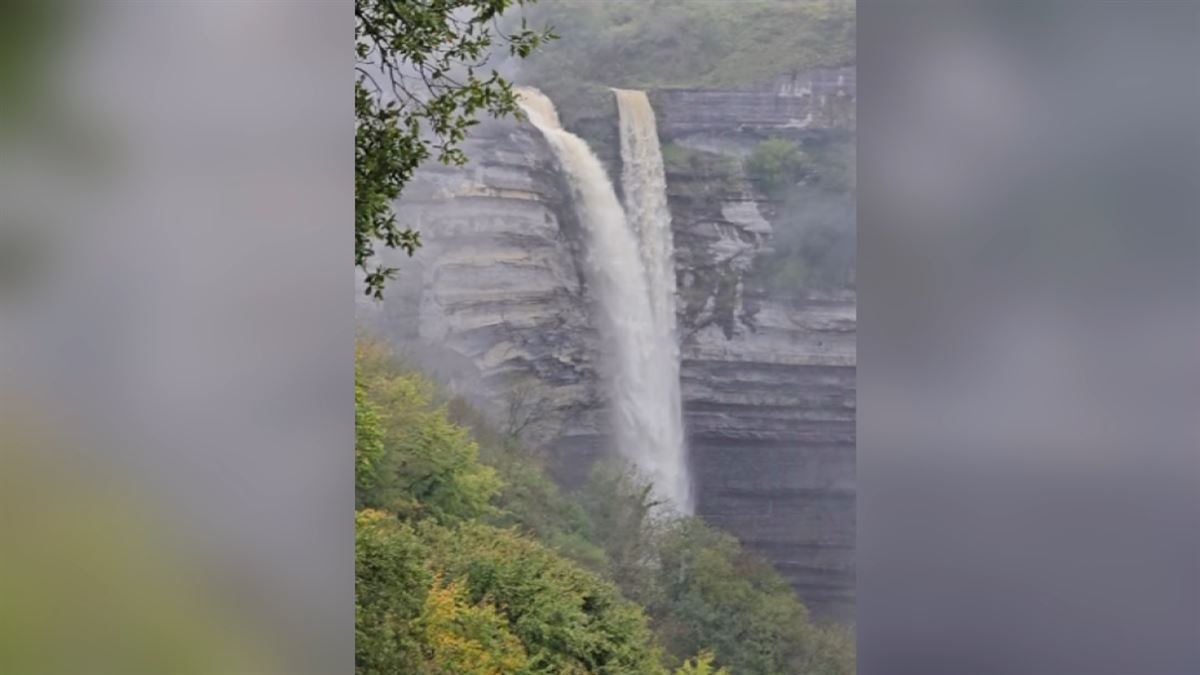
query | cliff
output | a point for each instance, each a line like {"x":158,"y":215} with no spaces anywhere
{"x":819,"y":100}
{"x":495,"y":302}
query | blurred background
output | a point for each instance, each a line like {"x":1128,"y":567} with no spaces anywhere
{"x":176,"y":341}
{"x":1029,"y":370}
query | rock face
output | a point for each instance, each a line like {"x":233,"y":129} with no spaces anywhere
{"x":817,"y":99}
{"x":770,"y":419}
{"x":768,"y":383}
{"x":792,"y":105}
{"x":493,"y":303}
{"x":496,"y":305}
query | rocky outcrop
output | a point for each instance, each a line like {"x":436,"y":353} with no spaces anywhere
{"x":493,"y":303}
{"x":768,"y":384}
{"x":793,"y":105}
{"x":770,"y":414}
{"x":496,"y":298}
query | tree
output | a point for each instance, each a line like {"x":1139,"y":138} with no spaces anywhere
{"x":369,"y":450}
{"x":717,"y":596}
{"x":776,"y":165}
{"x":701,"y":665}
{"x":470,"y":560}
{"x":417,"y":91}
{"x":623,"y":514}
{"x":570,"y":621}
{"x":467,"y":639}
{"x":391,"y":581}
{"x":411,"y":458}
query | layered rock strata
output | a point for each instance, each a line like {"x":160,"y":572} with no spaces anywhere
{"x":496,"y":305}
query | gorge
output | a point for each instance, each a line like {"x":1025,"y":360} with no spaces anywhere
{"x":513,"y":287}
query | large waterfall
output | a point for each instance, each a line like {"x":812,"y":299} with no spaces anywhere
{"x":631,"y":272}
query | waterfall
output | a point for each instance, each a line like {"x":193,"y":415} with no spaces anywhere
{"x":645,"y":186}
{"x":631,"y":271}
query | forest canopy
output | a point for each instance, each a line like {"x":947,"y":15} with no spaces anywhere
{"x":471,"y":559}
{"x":680,"y":43}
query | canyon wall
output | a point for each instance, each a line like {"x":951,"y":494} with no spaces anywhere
{"x":818,"y":100}
{"x":495,"y":303}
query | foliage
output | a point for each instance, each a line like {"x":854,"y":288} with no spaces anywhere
{"x":418,"y":89}
{"x":528,"y":498}
{"x":623,"y":516}
{"x":814,"y":241}
{"x":776,"y":165}
{"x":716,"y":596}
{"x":681,"y":43}
{"x":476,"y":598}
{"x":834,"y":165}
{"x":700,"y":172}
{"x":467,"y":639}
{"x":369,"y":450}
{"x":391,"y":581}
{"x":678,"y":158}
{"x":830,"y":651}
{"x":428,"y":466}
{"x":703,"y":591}
{"x":409,"y":620}
{"x":701,"y":665}
{"x":532,"y":502}
{"x":510,"y":574}
{"x":569,"y":619}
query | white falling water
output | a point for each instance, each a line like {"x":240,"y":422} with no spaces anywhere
{"x":645,"y":186}
{"x":632,"y":276}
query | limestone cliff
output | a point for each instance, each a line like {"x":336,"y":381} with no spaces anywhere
{"x":495,"y":300}
{"x":494,"y":303}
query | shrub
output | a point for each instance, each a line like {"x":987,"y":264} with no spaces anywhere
{"x":569,"y":619}
{"x":776,"y":165}
{"x":420,"y":463}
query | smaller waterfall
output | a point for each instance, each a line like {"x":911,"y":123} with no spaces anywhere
{"x":644,"y":183}
{"x":641,"y":368}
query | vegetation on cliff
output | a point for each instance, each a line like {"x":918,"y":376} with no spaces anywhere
{"x":647,"y":44}
{"x":813,"y":244}
{"x":469,"y":559}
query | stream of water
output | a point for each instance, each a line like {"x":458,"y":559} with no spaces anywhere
{"x":631,"y":271}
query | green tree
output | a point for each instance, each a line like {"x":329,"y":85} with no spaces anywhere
{"x":813,"y":239}
{"x":776,"y":165}
{"x":427,"y":465}
{"x":391,"y":581}
{"x":419,"y":87}
{"x":716,"y":596}
{"x":443,"y":587}
{"x":569,"y":619}
{"x":528,"y":498}
{"x":830,"y":651}
{"x":701,"y":665}
{"x":369,"y":451}
{"x":685,"y":43}
{"x":622,"y":511}
{"x":461,"y":638}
